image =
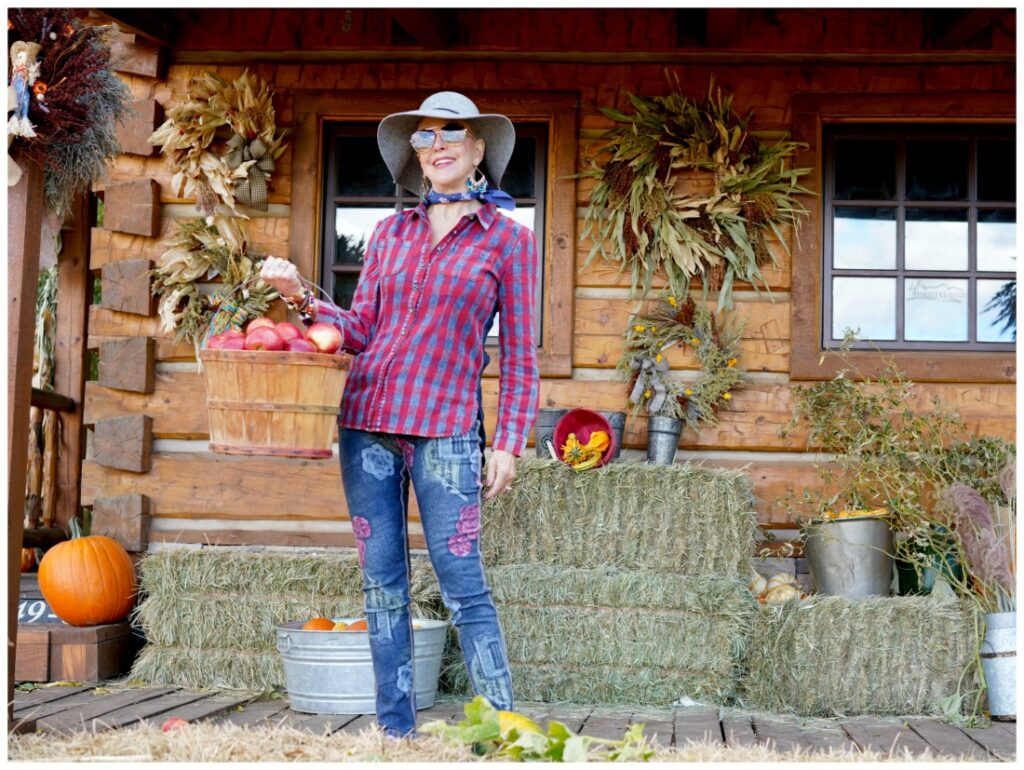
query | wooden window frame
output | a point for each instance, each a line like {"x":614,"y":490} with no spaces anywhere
{"x":811,"y":112}
{"x":559,"y":110}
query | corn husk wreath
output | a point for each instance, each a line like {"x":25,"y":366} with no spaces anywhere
{"x":214,"y":107}
{"x":639,"y":220}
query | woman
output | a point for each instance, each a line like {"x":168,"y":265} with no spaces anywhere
{"x":431,"y":282}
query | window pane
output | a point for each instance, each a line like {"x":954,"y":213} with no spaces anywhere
{"x":997,"y":311}
{"x":361,"y":170}
{"x":519,"y":179}
{"x":997,"y":164}
{"x":864,"y":238}
{"x":935,"y":310}
{"x":865,"y":169}
{"x":524,"y":215}
{"x":353,"y":227}
{"x":344,"y":288}
{"x":997,"y":247}
{"x":936,"y":169}
{"x":936,"y":239}
{"x":864,"y":304}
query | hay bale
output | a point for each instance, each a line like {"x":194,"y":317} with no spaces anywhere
{"x":684,"y":519}
{"x":204,"y":607}
{"x":833,"y":656}
{"x":611,"y":636}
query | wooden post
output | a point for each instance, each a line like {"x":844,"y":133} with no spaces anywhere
{"x":70,"y":363}
{"x":24,"y":223}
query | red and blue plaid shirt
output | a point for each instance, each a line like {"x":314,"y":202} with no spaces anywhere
{"x":418,"y":320}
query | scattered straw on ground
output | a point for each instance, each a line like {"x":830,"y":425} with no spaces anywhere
{"x":833,"y":656}
{"x":682,"y":519}
{"x":230,"y":743}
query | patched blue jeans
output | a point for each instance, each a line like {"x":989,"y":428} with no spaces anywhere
{"x":376,"y":469}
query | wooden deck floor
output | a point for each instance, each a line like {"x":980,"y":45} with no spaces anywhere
{"x":60,"y":710}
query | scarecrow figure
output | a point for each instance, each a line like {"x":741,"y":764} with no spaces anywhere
{"x":24,"y":71}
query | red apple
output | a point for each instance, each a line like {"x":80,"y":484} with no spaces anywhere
{"x":256,"y":323}
{"x":233,"y":332}
{"x":263,"y":338}
{"x":233,"y":343}
{"x":216,"y":341}
{"x":288,"y":331}
{"x":299,"y":345}
{"x":174,"y":723}
{"x":325,"y":337}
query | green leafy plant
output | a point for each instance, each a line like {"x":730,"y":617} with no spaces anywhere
{"x":719,"y":233}
{"x":482,"y":729}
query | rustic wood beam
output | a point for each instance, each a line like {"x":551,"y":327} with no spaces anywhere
{"x":44,"y":399}
{"x":71,"y":366}
{"x":722,"y":26}
{"x":600,"y":58}
{"x":44,"y":537}
{"x":157,"y":26}
{"x":24,"y":220}
{"x":432,"y":28}
{"x":964,"y":26}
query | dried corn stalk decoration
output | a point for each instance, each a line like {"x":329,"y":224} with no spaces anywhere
{"x":642,"y":218}
{"x":241,"y":115}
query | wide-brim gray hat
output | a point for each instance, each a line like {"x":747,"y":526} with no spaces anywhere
{"x":394,"y":131}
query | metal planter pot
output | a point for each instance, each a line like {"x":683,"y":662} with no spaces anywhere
{"x":999,"y":662}
{"x":618,"y":422}
{"x":850,"y":557}
{"x":663,"y":439}
{"x":544,"y":429}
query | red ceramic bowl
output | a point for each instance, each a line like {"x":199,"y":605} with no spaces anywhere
{"x":583,"y":422}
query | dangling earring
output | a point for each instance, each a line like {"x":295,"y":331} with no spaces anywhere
{"x":425,"y":187}
{"x":477,"y":182}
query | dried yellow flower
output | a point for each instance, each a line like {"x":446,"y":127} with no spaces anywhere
{"x":727,"y":396}
{"x":731,"y":363}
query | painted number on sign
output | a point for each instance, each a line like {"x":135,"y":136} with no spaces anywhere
{"x":35,"y":611}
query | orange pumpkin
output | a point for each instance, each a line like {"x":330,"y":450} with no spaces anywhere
{"x":28,"y":559}
{"x":88,"y":581}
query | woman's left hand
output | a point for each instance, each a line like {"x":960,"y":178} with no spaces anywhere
{"x":501,"y":469}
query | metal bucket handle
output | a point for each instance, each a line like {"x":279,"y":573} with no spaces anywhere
{"x":284,"y":642}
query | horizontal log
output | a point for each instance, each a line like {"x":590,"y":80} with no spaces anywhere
{"x":44,"y":399}
{"x":753,"y":421}
{"x":757,"y":355}
{"x":43,"y":537}
{"x":209,"y":486}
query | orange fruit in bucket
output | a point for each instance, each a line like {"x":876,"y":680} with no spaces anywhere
{"x":318,"y":624}
{"x":356,"y":625}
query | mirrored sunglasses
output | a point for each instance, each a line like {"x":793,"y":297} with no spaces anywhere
{"x":451,"y":133}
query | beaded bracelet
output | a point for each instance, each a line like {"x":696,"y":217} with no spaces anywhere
{"x":305,"y":307}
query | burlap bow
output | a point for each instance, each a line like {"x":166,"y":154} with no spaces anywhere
{"x":651,"y":373}
{"x":251,"y":191}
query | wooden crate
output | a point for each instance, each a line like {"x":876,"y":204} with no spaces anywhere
{"x":48,"y":652}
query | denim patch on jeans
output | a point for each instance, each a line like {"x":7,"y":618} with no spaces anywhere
{"x":376,"y":470}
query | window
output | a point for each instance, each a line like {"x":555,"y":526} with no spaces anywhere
{"x":358,"y":192}
{"x":919,"y":246}
{"x":540,"y":177}
{"x":819,"y":118}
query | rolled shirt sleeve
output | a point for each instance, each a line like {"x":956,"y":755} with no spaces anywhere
{"x":357,"y":323}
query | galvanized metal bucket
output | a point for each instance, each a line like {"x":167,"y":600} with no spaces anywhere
{"x":999,"y":662}
{"x":663,"y":439}
{"x":850,"y":557}
{"x":618,"y":422}
{"x":331,"y":672}
{"x":544,"y":429}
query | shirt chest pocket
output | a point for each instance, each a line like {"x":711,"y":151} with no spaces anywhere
{"x":470,"y":266}
{"x":395,"y":256}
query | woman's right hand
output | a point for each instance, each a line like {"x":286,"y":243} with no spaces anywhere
{"x":282,"y":275}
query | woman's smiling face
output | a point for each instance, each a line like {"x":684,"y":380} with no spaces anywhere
{"x":447,"y":166}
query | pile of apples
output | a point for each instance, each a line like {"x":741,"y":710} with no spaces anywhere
{"x":266,"y":334}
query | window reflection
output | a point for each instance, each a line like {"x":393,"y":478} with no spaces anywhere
{"x":935,"y":310}
{"x":353,"y":228}
{"x":524,"y":215}
{"x":864,"y":304}
{"x":997,"y":165}
{"x":937,"y":169}
{"x":361,"y":169}
{"x":936,"y":239}
{"x":997,"y":311}
{"x":997,"y":240}
{"x":865,"y":169}
{"x":864,"y":238}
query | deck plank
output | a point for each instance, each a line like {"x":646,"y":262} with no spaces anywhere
{"x":573,"y":717}
{"x":698,"y":725}
{"x":49,"y":708}
{"x":136,"y":712}
{"x":79,"y":716}
{"x":947,"y":740}
{"x":323,"y":724}
{"x":886,"y":736}
{"x":257,"y":712}
{"x":360,"y":723}
{"x":211,"y":706}
{"x":24,"y":700}
{"x":999,"y":743}
{"x":658,"y":726}
{"x":783,"y":734}
{"x":606,"y":726}
{"x":739,"y":730}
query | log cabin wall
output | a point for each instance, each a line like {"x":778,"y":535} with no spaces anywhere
{"x":157,"y":464}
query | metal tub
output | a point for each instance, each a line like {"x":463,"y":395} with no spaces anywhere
{"x":850,"y":557}
{"x":331,"y":672}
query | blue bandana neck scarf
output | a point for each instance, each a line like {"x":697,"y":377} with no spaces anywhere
{"x":500,"y":198}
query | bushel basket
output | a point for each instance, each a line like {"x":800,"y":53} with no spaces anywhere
{"x":278,"y":403}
